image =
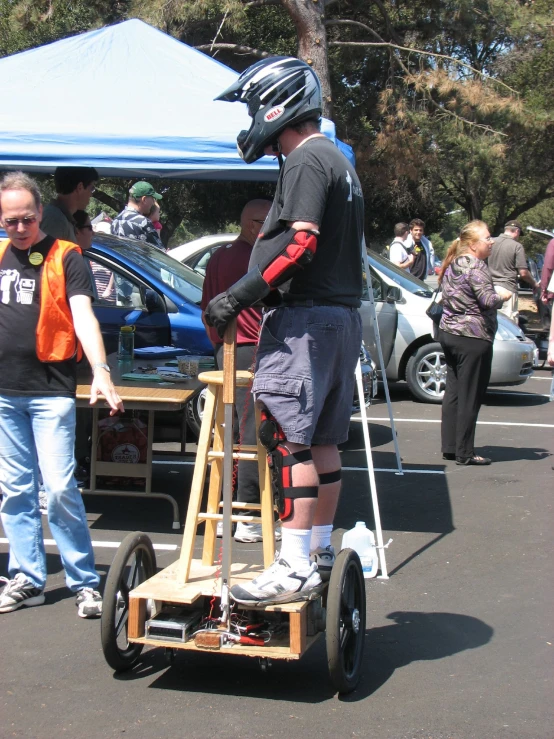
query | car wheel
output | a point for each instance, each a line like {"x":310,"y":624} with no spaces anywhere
{"x":426,"y":373}
{"x":194,"y":411}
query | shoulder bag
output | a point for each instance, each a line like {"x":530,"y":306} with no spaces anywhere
{"x":434,"y":311}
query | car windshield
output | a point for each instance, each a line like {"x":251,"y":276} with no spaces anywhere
{"x":402,"y":278}
{"x":159,"y":265}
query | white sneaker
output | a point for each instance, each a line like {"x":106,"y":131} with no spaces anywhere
{"x":248,"y":532}
{"x":252,"y":532}
{"x":19,"y":592}
{"x":324,"y":559}
{"x":278,"y":584}
{"x":89,"y":603}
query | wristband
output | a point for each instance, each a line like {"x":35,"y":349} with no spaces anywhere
{"x":101,"y":365}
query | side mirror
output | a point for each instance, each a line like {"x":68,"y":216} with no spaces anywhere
{"x":153,"y":301}
{"x":394,"y":294}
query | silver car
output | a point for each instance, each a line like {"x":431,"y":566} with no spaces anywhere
{"x":410,"y":353}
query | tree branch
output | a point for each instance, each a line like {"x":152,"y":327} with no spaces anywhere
{"x":387,"y":44}
{"x":237,"y":48}
{"x":112,"y":202}
{"x":261,"y":3}
{"x":440,"y":108}
{"x":543,"y":194}
{"x":483,"y":127}
{"x":386,"y":18}
{"x":220,"y":27}
{"x":353,"y":23}
{"x":456,"y":193}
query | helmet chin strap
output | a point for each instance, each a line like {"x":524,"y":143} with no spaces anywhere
{"x":276,"y":148}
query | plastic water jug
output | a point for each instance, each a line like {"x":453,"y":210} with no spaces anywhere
{"x":362,"y":541}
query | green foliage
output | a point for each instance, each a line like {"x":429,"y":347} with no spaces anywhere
{"x":430,"y":136}
{"x":25,"y":24}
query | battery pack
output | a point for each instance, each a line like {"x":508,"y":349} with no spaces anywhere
{"x":173,"y":624}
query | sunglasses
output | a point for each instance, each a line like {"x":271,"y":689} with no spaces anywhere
{"x":82,"y":228}
{"x":14,"y":222}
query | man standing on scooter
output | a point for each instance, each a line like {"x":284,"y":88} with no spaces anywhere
{"x":307,"y":265}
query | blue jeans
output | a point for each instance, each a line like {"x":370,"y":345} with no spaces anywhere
{"x":40,"y":432}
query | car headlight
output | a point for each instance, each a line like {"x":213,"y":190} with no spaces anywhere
{"x":507,"y":330}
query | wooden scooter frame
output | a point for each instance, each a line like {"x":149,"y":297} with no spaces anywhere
{"x":190,"y":582}
{"x":156,"y":608}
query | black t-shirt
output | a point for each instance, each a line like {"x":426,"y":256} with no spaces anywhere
{"x":318,"y":184}
{"x":21,"y":372}
{"x":419,"y":267}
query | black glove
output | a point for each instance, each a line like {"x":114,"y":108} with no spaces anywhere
{"x":221,"y":310}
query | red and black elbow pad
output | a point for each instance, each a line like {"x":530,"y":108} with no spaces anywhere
{"x":297,"y":249}
{"x":286,"y":252}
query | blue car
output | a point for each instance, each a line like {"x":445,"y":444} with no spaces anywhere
{"x":135,"y":283}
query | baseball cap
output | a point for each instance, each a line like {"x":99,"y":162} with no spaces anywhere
{"x":142,"y":189}
{"x":514,"y":224}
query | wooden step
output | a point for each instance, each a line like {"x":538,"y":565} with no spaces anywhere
{"x":247,"y":456}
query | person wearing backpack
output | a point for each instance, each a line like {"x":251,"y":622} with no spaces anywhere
{"x":397,"y":250}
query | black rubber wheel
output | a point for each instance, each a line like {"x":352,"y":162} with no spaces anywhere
{"x":345,"y":622}
{"x":426,"y":373}
{"x":194,"y":411}
{"x":134,"y":562}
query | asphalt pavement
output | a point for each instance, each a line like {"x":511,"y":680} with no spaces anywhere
{"x":459,"y":640}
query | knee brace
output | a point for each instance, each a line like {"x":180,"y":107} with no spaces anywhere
{"x":326,"y":478}
{"x":280,"y":461}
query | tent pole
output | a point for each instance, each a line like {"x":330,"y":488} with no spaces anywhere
{"x":380,"y":355}
{"x":371,"y":473}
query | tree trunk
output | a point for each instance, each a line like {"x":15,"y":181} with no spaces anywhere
{"x":309,"y":17}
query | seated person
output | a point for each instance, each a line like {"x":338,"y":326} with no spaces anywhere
{"x":103,"y":278}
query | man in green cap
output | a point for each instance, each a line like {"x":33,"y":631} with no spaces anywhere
{"x":133,"y":221}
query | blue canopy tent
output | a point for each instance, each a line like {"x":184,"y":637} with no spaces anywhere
{"x":130,"y":101}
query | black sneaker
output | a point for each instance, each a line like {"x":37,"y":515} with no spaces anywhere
{"x":19,"y":592}
{"x":89,"y":603}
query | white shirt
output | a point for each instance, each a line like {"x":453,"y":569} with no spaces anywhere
{"x":397,"y":253}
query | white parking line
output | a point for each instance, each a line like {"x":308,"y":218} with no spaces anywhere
{"x":350,"y":469}
{"x":479,"y":423}
{"x":106,"y":545}
{"x":395,"y":471}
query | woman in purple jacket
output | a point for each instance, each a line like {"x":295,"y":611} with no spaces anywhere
{"x":466,"y":334}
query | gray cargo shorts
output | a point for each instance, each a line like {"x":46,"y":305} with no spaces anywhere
{"x":305,"y":370}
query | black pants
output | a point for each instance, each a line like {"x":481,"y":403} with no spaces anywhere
{"x":248,"y":483}
{"x":468,"y":364}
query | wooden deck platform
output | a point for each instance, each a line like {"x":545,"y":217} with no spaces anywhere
{"x":168,"y":589}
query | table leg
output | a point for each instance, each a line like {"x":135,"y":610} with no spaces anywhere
{"x":93,"y":448}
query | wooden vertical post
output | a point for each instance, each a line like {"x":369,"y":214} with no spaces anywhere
{"x":197,"y":487}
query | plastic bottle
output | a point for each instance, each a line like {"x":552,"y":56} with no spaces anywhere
{"x":126,"y":343}
{"x":362,"y":541}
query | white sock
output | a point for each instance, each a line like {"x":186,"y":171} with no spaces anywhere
{"x":295,"y":548}
{"x":321,"y":537}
